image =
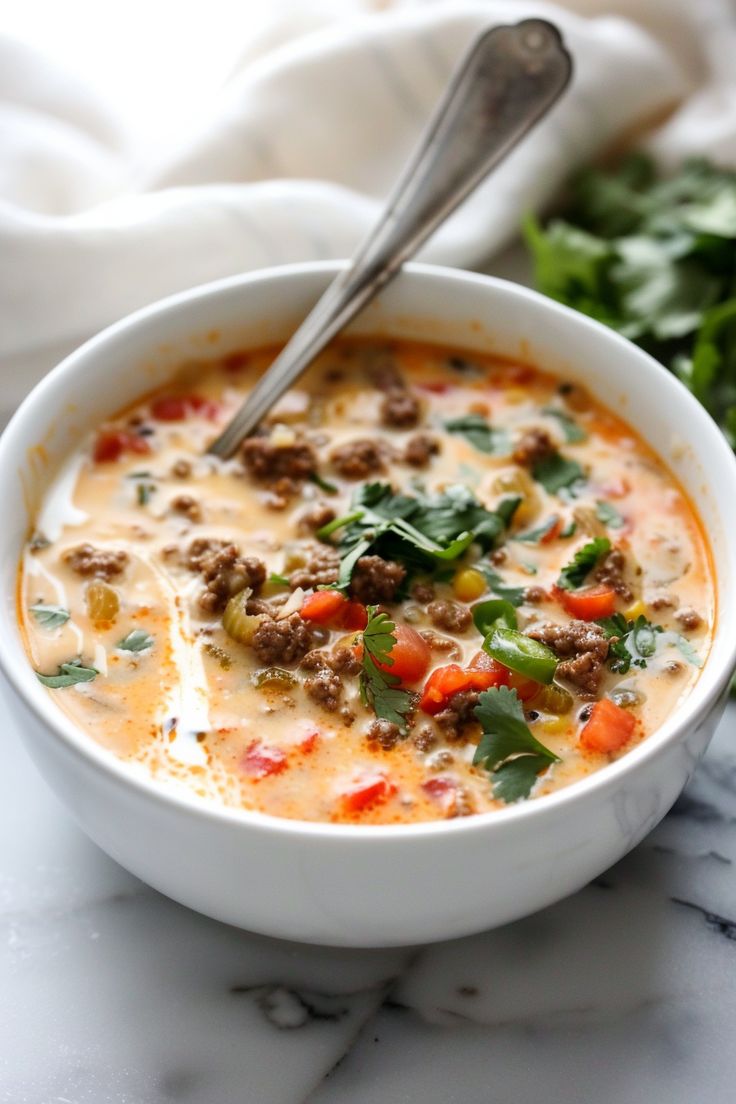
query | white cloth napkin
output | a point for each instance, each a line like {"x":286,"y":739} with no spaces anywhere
{"x":303,"y":145}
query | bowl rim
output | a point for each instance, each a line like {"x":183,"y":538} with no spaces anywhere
{"x":699,"y":702}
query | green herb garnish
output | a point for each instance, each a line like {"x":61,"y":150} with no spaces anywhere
{"x":557,"y":472}
{"x":608,"y":514}
{"x":574,"y":574}
{"x":143,"y":493}
{"x":69,"y":674}
{"x":51,"y":617}
{"x":419,"y":531}
{"x":324,"y":484}
{"x":480,"y":434}
{"x":632,"y":643}
{"x":686,"y":649}
{"x":534,"y":536}
{"x":378,"y":689}
{"x":570,"y":428}
{"x":654,"y":259}
{"x":507,"y":750}
{"x":486,"y":615}
{"x":278,"y":580}
{"x":138,"y":640}
{"x":512,"y":594}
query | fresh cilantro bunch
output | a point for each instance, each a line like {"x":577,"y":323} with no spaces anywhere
{"x":419,"y":531}
{"x":656,"y":260}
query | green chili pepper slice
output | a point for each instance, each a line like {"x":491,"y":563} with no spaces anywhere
{"x":521,"y":654}
{"x":486,"y":615}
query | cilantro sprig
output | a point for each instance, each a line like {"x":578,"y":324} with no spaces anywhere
{"x":507,"y":749}
{"x":574,"y":574}
{"x":631,"y":643}
{"x":557,"y":472}
{"x":419,"y":531}
{"x":379,"y":690}
{"x":654,"y":259}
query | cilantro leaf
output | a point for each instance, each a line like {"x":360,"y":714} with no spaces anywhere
{"x":507,"y":749}
{"x":654,"y":259}
{"x":68,"y":675}
{"x":534,"y":536}
{"x":138,"y":640}
{"x":512,"y":594}
{"x":144,"y":491}
{"x":686,"y":649}
{"x":574,"y":574}
{"x":480,"y":434}
{"x":570,"y":428}
{"x":51,"y":617}
{"x":556,"y":472}
{"x":420,"y":531}
{"x":379,"y":689}
{"x":278,"y":580}
{"x":631,"y":642}
{"x":608,"y":514}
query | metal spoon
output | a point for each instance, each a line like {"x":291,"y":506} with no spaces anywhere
{"x":509,"y":79}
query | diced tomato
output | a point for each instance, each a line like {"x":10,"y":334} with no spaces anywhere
{"x":617,"y":488}
{"x":482,"y":673}
{"x":176,"y":408}
{"x":354,"y":616}
{"x":609,"y":728}
{"x":369,"y":790}
{"x":261,"y":760}
{"x":308,"y":742}
{"x":112,"y":443}
{"x":436,"y":388}
{"x":411,"y":655}
{"x":330,"y":607}
{"x":588,"y":605}
{"x":442,"y":790}
{"x":552,"y":533}
{"x":235,"y":362}
{"x":322,"y":606}
{"x":525,"y":688}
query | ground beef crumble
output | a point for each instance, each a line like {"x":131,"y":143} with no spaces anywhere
{"x":448,"y":615}
{"x":689,"y":618}
{"x":102,"y":563}
{"x":610,"y":573}
{"x":265,"y":460}
{"x":582,"y":648}
{"x":400,"y":408}
{"x":225,"y":573}
{"x":534,"y":445}
{"x":188,"y":506}
{"x":420,"y":449}
{"x":359,"y":458}
{"x":281,"y":642}
{"x":384,"y":733}
{"x":376,"y":581}
{"x":458,"y":716}
{"x":320,"y":568}
{"x":318,"y":515}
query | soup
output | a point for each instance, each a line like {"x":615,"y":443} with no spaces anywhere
{"x":434,"y":584}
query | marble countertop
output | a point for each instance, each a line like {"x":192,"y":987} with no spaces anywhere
{"x":112,"y":994}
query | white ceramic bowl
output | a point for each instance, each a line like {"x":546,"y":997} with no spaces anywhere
{"x":351,"y":885}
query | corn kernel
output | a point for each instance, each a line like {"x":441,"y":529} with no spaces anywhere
{"x":468,"y":585}
{"x":552,"y":725}
{"x":638,"y":609}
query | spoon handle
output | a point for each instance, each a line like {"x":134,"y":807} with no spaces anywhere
{"x":507,"y":81}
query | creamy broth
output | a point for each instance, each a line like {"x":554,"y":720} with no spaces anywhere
{"x":143,"y":545}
